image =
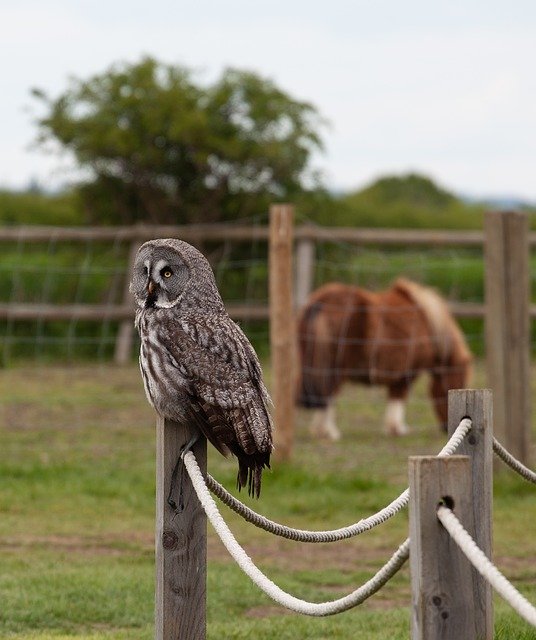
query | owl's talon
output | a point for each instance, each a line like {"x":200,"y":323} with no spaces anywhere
{"x":186,"y":447}
{"x":179,"y":466}
{"x":170,"y":501}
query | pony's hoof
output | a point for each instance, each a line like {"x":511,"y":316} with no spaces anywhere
{"x":320,"y":433}
{"x":334,"y":436}
{"x":397,"y":429}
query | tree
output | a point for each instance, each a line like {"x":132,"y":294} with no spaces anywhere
{"x":402,"y":201}
{"x":158,"y":147}
{"x":412,"y":189}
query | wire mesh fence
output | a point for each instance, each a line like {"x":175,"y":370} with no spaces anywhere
{"x":63,"y":299}
{"x":63,"y":295}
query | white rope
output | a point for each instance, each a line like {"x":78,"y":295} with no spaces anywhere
{"x":304,"y":535}
{"x":269,"y":587}
{"x":333,"y":535}
{"x":513,"y":463}
{"x":483,"y":565}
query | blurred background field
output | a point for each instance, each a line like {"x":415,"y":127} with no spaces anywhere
{"x":77,"y":474}
{"x":77,"y":525}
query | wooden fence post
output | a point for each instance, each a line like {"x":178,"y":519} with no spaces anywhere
{"x":282,"y":327}
{"x":125,"y":333}
{"x":305,"y":270}
{"x":477,"y":404}
{"x":180,"y":541}
{"x":507,"y":289}
{"x":444,"y":604}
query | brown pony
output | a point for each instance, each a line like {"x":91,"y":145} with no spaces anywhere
{"x":385,"y":338}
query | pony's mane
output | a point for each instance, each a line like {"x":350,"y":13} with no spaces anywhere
{"x":450,"y":339}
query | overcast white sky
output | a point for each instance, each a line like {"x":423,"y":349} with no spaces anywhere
{"x":443,"y":88}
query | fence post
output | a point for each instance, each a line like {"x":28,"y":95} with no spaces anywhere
{"x":282,"y":327}
{"x":125,"y":333}
{"x":477,"y":404}
{"x":507,"y":293}
{"x":180,"y":541}
{"x":444,"y":606}
{"x":305,"y":268}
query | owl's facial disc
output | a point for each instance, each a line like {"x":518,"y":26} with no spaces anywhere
{"x":160,"y":275}
{"x":166,"y":278}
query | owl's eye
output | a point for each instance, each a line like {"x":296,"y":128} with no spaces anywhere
{"x":166,"y":272}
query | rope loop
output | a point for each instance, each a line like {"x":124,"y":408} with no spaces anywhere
{"x":287,"y":600}
{"x":451,"y":523}
{"x":356,"y":597}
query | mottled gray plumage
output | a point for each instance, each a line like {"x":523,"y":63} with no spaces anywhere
{"x":197,"y":365}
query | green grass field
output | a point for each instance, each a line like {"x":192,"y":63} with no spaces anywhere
{"x":77,"y":517}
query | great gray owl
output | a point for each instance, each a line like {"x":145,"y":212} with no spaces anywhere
{"x":197,"y":365}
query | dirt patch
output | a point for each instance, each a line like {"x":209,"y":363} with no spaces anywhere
{"x":91,"y":546}
{"x":346,"y":556}
{"x":267,"y":612}
{"x":520,"y":569}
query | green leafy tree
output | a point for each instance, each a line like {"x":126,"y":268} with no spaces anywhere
{"x":412,"y":189}
{"x":404,"y":201}
{"x":156,"y":146}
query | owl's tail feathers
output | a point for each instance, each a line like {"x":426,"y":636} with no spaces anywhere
{"x":250,"y":472}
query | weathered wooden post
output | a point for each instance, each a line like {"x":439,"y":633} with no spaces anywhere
{"x":125,"y":333}
{"x":282,"y":327}
{"x":444,"y":603}
{"x":477,"y":404}
{"x":305,"y":269}
{"x":508,"y":327}
{"x":181,"y":541}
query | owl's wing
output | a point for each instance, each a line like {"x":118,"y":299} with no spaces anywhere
{"x":224,"y":339}
{"x":220,"y":372}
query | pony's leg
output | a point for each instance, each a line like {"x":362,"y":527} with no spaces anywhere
{"x":452,"y":377}
{"x":395,"y":413}
{"x":395,"y":423}
{"x":323,"y":423}
{"x":439,"y":386}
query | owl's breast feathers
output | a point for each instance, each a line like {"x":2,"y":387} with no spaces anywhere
{"x":213,"y":378}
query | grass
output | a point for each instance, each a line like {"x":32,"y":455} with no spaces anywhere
{"x":77,"y":517}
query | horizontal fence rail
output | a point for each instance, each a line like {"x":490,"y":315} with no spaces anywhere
{"x":246,"y":233}
{"x":98,"y":312}
{"x":140,"y":233}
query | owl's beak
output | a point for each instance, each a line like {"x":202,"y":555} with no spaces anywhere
{"x":151,"y":286}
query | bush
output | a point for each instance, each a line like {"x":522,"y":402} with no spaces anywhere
{"x":27,"y":207}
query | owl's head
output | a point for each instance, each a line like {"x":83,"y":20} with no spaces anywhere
{"x":166,"y":269}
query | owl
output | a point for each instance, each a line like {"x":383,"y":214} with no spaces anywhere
{"x":198,"y":367}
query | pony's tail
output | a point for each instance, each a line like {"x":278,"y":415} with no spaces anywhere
{"x":315,"y":342}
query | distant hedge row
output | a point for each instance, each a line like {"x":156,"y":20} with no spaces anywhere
{"x":410,"y":201}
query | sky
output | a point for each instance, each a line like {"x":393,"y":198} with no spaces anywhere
{"x":445,"y":89}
